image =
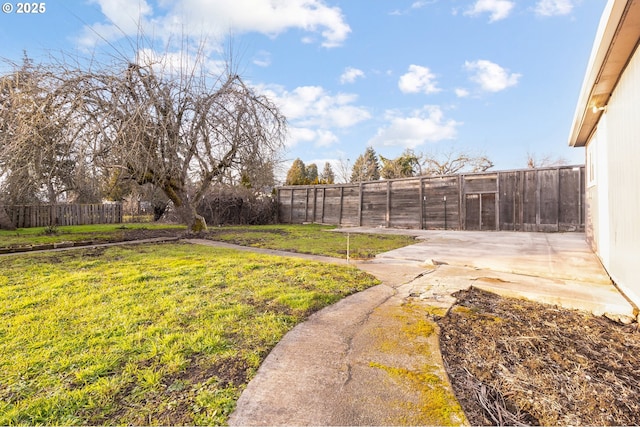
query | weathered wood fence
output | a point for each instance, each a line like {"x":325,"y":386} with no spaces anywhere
{"x":63,"y":214}
{"x":545,"y":199}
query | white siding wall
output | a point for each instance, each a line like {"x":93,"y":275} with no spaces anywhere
{"x":618,"y":183}
{"x":597,"y":193}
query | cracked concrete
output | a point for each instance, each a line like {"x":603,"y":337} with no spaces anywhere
{"x":337,"y":367}
{"x":373,"y":358}
{"x":304,"y":379}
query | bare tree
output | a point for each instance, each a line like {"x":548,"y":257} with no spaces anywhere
{"x":541,"y":161}
{"x":41,"y":153}
{"x":179,"y":130}
{"x":452,"y":162}
{"x":343,"y":170}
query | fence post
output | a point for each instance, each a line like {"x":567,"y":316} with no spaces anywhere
{"x":341,"y":204}
{"x":360,"y":206}
{"x":324,"y":195}
{"x":421,"y":202}
{"x":537,"y":200}
{"x":291,"y":210}
{"x":498,"y":201}
{"x":463,"y":203}
{"x":388,"y":214}
{"x":315,"y":204}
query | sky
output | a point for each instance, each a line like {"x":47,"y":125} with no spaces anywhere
{"x":498,"y":78}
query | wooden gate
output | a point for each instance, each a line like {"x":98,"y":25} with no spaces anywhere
{"x":480,"y":211}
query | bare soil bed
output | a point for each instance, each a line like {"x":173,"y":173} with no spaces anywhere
{"x":516,"y":362}
{"x":149,"y":233}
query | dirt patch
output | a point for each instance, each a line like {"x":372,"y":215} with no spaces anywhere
{"x":144,"y":233}
{"x":513,"y":362}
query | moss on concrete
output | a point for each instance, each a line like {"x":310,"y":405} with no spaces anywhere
{"x":413,"y":336}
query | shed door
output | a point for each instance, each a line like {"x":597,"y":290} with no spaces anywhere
{"x":480,"y":211}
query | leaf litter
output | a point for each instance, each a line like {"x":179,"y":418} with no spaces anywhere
{"x":517,"y":362}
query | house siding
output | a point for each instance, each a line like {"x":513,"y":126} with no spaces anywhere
{"x":613,"y":200}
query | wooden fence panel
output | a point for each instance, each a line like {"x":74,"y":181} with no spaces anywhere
{"x":571,"y":205}
{"x":28,"y":216}
{"x":472,"y":211}
{"x":510,"y":201}
{"x":285,"y":209}
{"x":404,"y":197}
{"x":481,"y":183}
{"x":547,"y":199}
{"x":350,"y":206}
{"x":331,"y":211}
{"x":530,"y":216}
{"x":441,"y":203}
{"x":299,"y":206}
{"x":548,"y":184}
{"x":374,"y":204}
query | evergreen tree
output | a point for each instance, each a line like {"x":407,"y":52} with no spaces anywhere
{"x":401,"y":167}
{"x":297,"y":174}
{"x":366,"y":167}
{"x":312,"y":174}
{"x":327,"y":176}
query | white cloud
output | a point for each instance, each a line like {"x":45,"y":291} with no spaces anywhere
{"x":325,"y":138}
{"x":298,"y":135}
{"x":418,"y":79}
{"x":461,"y":92}
{"x":350,"y":75}
{"x":419,"y":4}
{"x":125,"y":14}
{"x":498,"y":9}
{"x":179,"y":63}
{"x":262,"y":59}
{"x":554,"y":7}
{"x":422,"y":126}
{"x":315,"y":115}
{"x":317,"y":137}
{"x":490,"y":76}
{"x":313,"y":106}
{"x":215,"y":19}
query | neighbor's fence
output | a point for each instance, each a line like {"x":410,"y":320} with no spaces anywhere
{"x":546,"y":199}
{"x":63,"y":214}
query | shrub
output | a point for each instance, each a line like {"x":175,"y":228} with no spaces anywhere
{"x":236,"y":205}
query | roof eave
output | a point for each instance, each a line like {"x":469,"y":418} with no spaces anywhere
{"x":615,"y":42}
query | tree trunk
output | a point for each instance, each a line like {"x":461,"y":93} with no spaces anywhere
{"x":5,"y":221}
{"x":186,"y":210}
{"x":195,"y":223}
{"x":53,"y":205}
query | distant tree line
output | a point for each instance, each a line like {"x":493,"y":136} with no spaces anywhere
{"x":371,"y":167}
{"x":301,"y":174}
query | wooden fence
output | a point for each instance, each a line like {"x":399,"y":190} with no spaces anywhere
{"x":63,"y":214}
{"x":546,"y":199}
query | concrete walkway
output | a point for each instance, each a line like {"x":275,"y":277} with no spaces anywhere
{"x":373,"y":358}
{"x":552,"y":268}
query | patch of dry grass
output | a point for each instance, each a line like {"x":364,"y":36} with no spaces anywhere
{"x":515,"y":362}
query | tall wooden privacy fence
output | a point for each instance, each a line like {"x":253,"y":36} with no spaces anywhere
{"x":46,"y":215}
{"x":546,"y":199}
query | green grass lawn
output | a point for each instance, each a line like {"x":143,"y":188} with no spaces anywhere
{"x":310,"y":239}
{"x":152,"y":334}
{"x":75,"y":233}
